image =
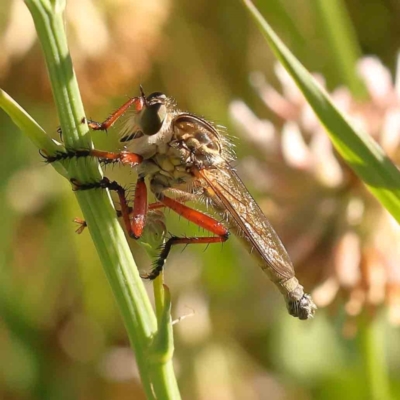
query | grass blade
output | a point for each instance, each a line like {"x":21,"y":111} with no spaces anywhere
{"x":357,"y":148}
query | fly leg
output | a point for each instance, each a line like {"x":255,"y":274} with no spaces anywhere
{"x":198,"y":218}
{"x":152,"y":206}
{"x":104,"y":157}
{"x":182,"y":197}
{"x":82,"y":223}
{"x":134,"y":225}
{"x":137,"y":102}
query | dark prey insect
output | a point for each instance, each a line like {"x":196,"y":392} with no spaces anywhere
{"x":186,"y":158}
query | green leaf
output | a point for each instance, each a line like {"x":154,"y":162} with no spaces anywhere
{"x":31,"y":128}
{"x":357,"y":148}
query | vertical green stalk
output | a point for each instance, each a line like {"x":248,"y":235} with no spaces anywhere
{"x":374,"y":363}
{"x":163,"y":345}
{"x":97,"y":208}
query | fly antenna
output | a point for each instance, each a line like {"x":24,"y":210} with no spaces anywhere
{"x":142,"y":91}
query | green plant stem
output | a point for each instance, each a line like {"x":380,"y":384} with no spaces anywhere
{"x":374,"y":363}
{"x":162,"y":350}
{"x":97,"y":207}
{"x":163,"y":345}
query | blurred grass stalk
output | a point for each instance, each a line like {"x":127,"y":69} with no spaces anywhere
{"x":153,"y":349}
{"x":360,"y":152}
{"x":372,"y":349}
{"x":339,"y":36}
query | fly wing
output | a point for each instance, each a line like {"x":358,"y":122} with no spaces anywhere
{"x":228,"y":192}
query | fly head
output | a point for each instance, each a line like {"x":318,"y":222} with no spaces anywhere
{"x":153,"y":113}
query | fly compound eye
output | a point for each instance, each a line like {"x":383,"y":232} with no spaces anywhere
{"x":153,"y":114}
{"x":152,"y":118}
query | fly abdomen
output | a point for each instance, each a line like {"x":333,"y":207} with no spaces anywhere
{"x":298,"y":303}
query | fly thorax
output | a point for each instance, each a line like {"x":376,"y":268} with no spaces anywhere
{"x":168,"y":169}
{"x":201,"y":141}
{"x":191,"y":143}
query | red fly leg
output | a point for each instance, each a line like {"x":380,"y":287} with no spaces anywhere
{"x":135,"y":225}
{"x":137,"y":102}
{"x":125,"y":157}
{"x":200,"y":219}
{"x":182,"y":198}
{"x":197,"y":217}
{"x":105,"y":157}
{"x":157,"y":205}
{"x":138,"y":212}
{"x":152,"y":206}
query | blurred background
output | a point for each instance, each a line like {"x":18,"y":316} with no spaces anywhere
{"x":61,"y":335}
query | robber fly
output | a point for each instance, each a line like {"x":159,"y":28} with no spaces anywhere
{"x":186,"y":158}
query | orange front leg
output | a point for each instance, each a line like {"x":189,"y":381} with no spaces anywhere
{"x":136,"y":102}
